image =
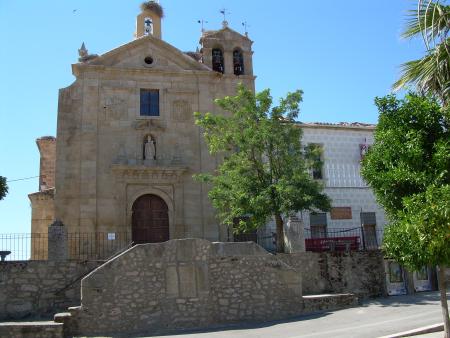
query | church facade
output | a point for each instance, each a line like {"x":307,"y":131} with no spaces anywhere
{"x":127,"y":145}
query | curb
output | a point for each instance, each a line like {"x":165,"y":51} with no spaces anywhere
{"x":415,"y":332}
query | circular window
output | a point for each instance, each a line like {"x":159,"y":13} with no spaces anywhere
{"x":148,"y":60}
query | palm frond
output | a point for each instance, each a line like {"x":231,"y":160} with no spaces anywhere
{"x":431,"y":20}
{"x":430,"y":74}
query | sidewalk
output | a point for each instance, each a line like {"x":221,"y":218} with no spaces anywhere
{"x":373,"y":319}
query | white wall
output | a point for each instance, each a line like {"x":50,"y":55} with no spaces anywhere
{"x":341,"y":173}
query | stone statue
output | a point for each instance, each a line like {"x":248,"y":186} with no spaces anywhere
{"x":149,"y":149}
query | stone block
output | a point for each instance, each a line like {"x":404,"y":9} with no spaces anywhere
{"x":57,"y":242}
{"x":188,"y":287}
{"x":185,"y":249}
{"x":171,"y":276}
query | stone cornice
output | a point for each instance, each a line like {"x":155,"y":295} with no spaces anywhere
{"x":157,"y":174}
{"x":48,"y":194}
{"x":366,"y":127}
{"x":78,"y":69}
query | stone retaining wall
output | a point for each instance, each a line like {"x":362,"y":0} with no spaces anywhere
{"x":186,"y":283}
{"x":360,"y":273}
{"x":195,"y":283}
{"x":40,"y":288}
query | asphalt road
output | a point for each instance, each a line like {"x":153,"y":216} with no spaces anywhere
{"x":374,"y":318}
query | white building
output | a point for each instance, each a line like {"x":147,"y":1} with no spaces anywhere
{"x":355,"y":212}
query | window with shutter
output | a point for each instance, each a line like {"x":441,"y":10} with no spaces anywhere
{"x":318,"y":225}
{"x":368,"y":218}
{"x":149,"y":102}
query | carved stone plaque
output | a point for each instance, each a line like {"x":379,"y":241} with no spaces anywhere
{"x":341,"y":213}
{"x":115,"y":103}
{"x":181,"y":111}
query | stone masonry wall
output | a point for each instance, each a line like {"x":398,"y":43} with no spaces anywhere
{"x":47,"y":150}
{"x":230,"y":278}
{"x":360,"y":273}
{"x":39,"y":288}
{"x":185,"y":283}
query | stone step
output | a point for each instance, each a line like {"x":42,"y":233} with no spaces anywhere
{"x":38,"y":329}
{"x":325,"y":302}
{"x":68,"y":319}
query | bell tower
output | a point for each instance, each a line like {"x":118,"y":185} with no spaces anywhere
{"x":148,"y":22}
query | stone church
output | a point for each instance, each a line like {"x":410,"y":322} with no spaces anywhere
{"x":127,"y":145}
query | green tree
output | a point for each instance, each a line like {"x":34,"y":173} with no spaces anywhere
{"x":408,"y":167}
{"x":3,"y":187}
{"x":264,"y":173}
{"x":431,"y":73}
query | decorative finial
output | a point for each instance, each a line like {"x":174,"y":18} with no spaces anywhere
{"x":84,"y":55}
{"x":224,"y":12}
{"x":82,"y":52}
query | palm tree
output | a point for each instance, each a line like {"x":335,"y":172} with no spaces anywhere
{"x":430,"y":74}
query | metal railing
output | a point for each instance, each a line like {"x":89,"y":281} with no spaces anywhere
{"x":80,"y":246}
{"x":343,"y":239}
{"x":103,"y":245}
{"x":330,"y":239}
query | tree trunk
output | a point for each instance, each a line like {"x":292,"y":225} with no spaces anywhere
{"x":280,"y":233}
{"x":444,"y":305}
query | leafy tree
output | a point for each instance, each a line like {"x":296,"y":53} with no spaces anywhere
{"x":3,"y":187}
{"x":408,"y":167}
{"x":264,"y":173}
{"x":431,"y":73}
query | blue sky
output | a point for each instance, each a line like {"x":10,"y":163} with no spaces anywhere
{"x":340,"y":53}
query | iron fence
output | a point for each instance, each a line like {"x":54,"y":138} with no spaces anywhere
{"x":102,"y":245}
{"x":343,"y":239}
{"x":80,"y":246}
{"x":331,"y":239}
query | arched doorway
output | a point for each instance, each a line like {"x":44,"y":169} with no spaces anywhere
{"x":150,"y":220}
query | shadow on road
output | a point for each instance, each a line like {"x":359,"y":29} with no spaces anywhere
{"x":240,"y":326}
{"x":422,"y":298}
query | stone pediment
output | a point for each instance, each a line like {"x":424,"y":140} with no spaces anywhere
{"x":147,"y":52}
{"x":226,"y":34}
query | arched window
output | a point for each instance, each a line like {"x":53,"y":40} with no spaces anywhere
{"x":217,"y":60}
{"x":238,"y":62}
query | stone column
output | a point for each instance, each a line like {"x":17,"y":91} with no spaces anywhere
{"x":294,"y":237}
{"x":57,"y":241}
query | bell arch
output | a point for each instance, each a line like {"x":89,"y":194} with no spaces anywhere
{"x":218,"y":64}
{"x":238,"y":62}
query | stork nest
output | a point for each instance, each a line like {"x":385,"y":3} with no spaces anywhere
{"x":154,"y":7}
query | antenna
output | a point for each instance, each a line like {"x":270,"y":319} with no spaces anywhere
{"x":202,"y":22}
{"x":246,"y":26}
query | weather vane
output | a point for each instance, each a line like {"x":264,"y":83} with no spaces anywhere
{"x":246,"y":26}
{"x":202,"y":22}
{"x":224,"y":12}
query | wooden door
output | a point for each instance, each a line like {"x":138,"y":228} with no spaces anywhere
{"x":150,"y":220}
